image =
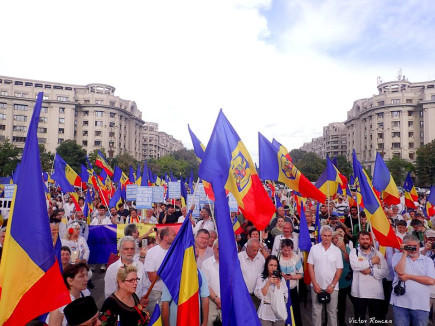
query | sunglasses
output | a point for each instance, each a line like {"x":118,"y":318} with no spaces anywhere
{"x":133,"y":280}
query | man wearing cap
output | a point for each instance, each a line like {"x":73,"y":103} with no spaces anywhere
{"x":82,"y":312}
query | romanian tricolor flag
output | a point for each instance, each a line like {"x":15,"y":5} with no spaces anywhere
{"x":180,"y":275}
{"x":75,"y":198}
{"x":382,"y":229}
{"x":227,"y":157}
{"x":411,"y":195}
{"x":131,"y":176}
{"x":384,"y":182}
{"x":199,"y":150}
{"x":101,"y":162}
{"x":198,"y":147}
{"x":138,"y":176}
{"x":330,"y":180}
{"x":430,"y":203}
{"x":30,"y":280}
{"x":156,"y":317}
{"x":227,"y":165}
{"x":237,"y":227}
{"x":276,"y":164}
{"x":119,"y":176}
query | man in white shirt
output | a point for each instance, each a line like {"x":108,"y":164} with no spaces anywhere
{"x":153,"y":260}
{"x":206,"y":222}
{"x":210,"y":267}
{"x":252,"y":264}
{"x":69,"y":207}
{"x":369,"y":268}
{"x":101,"y":218}
{"x":287,"y":233}
{"x":325,"y":266}
{"x":127,"y":249}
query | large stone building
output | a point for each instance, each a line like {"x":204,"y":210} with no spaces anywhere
{"x":395,"y":122}
{"x":158,"y":143}
{"x":334,"y":140}
{"x":91,"y":115}
{"x":332,"y":143}
{"x":315,"y":146}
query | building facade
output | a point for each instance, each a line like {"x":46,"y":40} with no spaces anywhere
{"x":316,"y":146}
{"x":158,"y":143}
{"x":334,"y":140}
{"x":332,"y":143}
{"x":395,"y":122}
{"x":91,"y":115}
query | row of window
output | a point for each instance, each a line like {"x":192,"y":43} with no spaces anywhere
{"x":396,"y":124}
{"x":37,"y":85}
{"x":99,"y":114}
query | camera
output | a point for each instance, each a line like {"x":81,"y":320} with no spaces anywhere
{"x":433,"y":245}
{"x":410,"y":248}
{"x":276,"y":273}
{"x":399,"y":289}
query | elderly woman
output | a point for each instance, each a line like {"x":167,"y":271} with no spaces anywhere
{"x":268,"y":282}
{"x":76,"y":279}
{"x":77,"y":244}
{"x":124,"y":305}
{"x":292,"y":271}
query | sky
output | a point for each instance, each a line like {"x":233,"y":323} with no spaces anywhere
{"x":282,"y":68}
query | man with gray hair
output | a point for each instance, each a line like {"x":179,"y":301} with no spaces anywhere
{"x":127,"y":249}
{"x":251,"y":264}
{"x":413,"y":273}
{"x":325,"y":266}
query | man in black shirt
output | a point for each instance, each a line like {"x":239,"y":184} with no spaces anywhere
{"x":168,"y":216}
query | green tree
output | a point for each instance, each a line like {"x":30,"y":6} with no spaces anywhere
{"x":399,"y":168}
{"x":344,"y":166}
{"x":296,"y":154}
{"x":311,"y":165}
{"x":73,"y":154}
{"x":425,"y":164}
{"x":46,"y":158}
{"x":124,"y":161}
{"x":180,"y":163}
{"x":8,"y":158}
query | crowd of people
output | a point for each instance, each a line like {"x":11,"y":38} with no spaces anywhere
{"x":345,"y":264}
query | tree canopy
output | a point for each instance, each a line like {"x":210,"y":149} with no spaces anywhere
{"x":425,"y":164}
{"x":73,"y":154}
{"x":9,"y":158}
{"x":180,"y":163}
{"x":124,"y":161}
{"x":399,"y":168}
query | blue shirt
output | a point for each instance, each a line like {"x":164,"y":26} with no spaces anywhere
{"x":417,"y":295}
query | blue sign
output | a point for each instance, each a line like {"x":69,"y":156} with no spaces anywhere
{"x":158,"y":194}
{"x":144,"y":197}
{"x":174,"y":189}
{"x":9,"y":191}
{"x":131,"y":192}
